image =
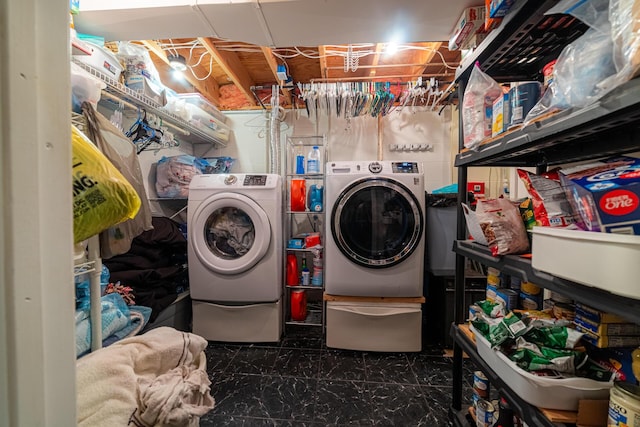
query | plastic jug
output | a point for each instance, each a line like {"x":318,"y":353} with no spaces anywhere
{"x":315,"y":198}
{"x":292,"y":270}
{"x":313,"y":160}
{"x":298,"y":194}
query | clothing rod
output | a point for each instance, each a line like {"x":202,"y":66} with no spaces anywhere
{"x":380,"y":78}
{"x":341,"y":67}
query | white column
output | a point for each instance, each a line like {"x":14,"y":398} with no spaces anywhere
{"x":37,"y":344}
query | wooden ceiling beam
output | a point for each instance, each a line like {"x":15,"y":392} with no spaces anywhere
{"x":208,"y":88}
{"x":322,"y":53}
{"x":273,"y":65}
{"x":428,"y":57}
{"x":231,"y":65}
{"x":376,"y":59}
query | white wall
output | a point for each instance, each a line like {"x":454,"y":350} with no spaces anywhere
{"x":357,"y":139}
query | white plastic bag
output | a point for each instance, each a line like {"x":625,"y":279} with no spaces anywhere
{"x":502,"y":226}
{"x":477,"y":106}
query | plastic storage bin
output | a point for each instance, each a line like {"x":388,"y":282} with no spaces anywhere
{"x":103,"y":60}
{"x":441,"y":232}
{"x":602,"y":260}
{"x":202,"y":103}
{"x":550,"y":393}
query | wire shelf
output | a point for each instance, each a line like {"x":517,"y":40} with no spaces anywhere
{"x":191,"y":133}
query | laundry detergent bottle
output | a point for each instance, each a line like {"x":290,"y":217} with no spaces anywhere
{"x":292,"y":270}
{"x":315,"y":198}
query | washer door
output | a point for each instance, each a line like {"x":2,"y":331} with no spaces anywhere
{"x":230,"y":233}
{"x":376,"y":222}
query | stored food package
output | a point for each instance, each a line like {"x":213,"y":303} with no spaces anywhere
{"x":502,"y":226}
{"x":550,"y":205}
{"x":477,"y":109}
{"x":605,"y":195}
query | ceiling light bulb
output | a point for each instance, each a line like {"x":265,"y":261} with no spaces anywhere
{"x":391,"y":48}
{"x":177,"y":62}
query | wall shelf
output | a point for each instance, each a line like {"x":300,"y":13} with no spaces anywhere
{"x":521,"y":267}
{"x":189,"y":133}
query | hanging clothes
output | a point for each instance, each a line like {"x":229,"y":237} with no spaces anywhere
{"x":118,"y":149}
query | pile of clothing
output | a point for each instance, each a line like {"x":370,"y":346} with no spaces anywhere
{"x":155,"y":267}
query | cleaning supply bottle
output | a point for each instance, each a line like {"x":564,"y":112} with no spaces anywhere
{"x":306,"y":274}
{"x":315,"y":198}
{"x":299,"y":161}
{"x":313,"y":160}
{"x":316,"y":279}
{"x":292,"y":270}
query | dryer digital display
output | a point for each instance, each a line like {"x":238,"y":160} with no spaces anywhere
{"x":255,"y":180}
{"x":404,"y":167}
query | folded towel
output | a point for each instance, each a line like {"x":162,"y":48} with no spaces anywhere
{"x":155,"y":379}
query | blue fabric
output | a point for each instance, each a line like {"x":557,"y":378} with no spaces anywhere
{"x":115,"y":316}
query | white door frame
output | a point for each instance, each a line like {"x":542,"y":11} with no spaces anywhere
{"x":37,"y":339}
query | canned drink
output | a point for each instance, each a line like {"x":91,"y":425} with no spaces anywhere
{"x":484,"y":413}
{"x":480,"y":384}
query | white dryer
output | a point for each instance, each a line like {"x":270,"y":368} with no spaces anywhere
{"x":235,"y":256}
{"x":375,"y":231}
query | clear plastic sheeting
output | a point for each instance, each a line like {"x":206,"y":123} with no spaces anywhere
{"x":606,"y":56}
{"x":230,"y":233}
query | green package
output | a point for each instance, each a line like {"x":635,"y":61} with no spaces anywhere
{"x":554,"y":337}
{"x":548,"y":358}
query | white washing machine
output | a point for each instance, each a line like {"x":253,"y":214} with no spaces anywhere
{"x":235,"y":256}
{"x":375,"y":232}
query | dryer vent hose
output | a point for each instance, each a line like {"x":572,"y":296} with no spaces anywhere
{"x":275,"y":146}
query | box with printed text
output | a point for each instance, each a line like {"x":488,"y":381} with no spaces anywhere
{"x":605,"y":195}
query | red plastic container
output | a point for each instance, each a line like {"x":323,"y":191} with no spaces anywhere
{"x":292,"y":270}
{"x":298,"y":195}
{"x":298,"y":305}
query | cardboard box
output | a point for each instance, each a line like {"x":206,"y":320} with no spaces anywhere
{"x":489,"y":22}
{"x":597,"y":316}
{"x":500,"y":117}
{"x":605,"y":195}
{"x":470,"y":22}
{"x":499,"y":8}
{"x":473,"y":41}
{"x":592,"y":413}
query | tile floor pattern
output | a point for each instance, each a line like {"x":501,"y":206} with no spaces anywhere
{"x":299,"y":382}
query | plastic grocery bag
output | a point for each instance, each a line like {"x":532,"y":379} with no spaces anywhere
{"x":502,"y":226}
{"x":102,"y":197}
{"x":477,"y":107}
{"x":174,"y":174}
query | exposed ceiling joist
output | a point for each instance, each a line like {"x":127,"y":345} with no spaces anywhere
{"x":428,"y":57}
{"x":376,"y":59}
{"x":208,"y":88}
{"x":322,"y":51}
{"x":273,"y":65}
{"x":232,"y":66}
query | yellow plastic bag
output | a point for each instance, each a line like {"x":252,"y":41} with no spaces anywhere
{"x":102,"y":197}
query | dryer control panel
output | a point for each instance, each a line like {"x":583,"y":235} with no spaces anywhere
{"x":404,"y":167}
{"x":255,"y":180}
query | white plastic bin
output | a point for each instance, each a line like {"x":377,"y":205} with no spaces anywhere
{"x":368,"y":326}
{"x":602,"y":260}
{"x":550,"y":393}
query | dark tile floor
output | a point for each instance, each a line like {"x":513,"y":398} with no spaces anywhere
{"x":299,"y":382}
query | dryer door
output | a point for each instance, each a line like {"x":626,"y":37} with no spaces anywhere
{"x":230,"y":233}
{"x":377,"y":222}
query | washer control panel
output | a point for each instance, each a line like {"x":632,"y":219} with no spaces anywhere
{"x":404,"y":167}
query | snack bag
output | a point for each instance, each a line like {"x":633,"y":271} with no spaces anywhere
{"x":102,"y":197}
{"x":550,"y":205}
{"x":502,"y":226}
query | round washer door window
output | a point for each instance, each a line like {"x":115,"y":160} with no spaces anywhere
{"x":230,"y":233}
{"x":377,"y":222}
